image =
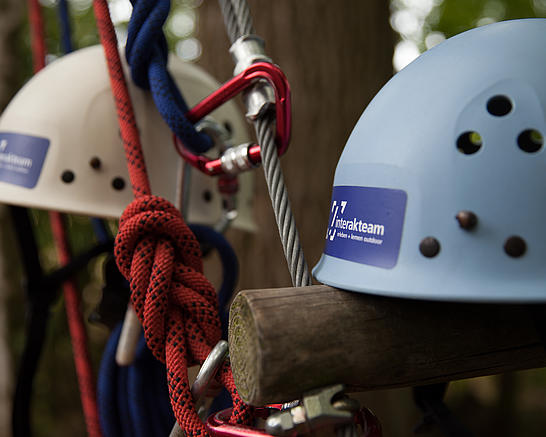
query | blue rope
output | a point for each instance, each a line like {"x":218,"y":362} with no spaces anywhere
{"x":64,"y":21}
{"x":107,"y":388}
{"x":144,"y":418}
{"x":101,"y":230}
{"x":147,"y":54}
{"x":124,"y":408}
{"x":134,"y":400}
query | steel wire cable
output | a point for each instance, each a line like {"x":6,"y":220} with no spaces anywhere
{"x":237,"y":18}
{"x":238,"y":22}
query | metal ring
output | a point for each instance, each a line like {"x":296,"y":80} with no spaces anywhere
{"x":208,"y":371}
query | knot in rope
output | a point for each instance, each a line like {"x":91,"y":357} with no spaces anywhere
{"x":177,"y":306}
{"x":147,"y":55}
{"x":159,"y":255}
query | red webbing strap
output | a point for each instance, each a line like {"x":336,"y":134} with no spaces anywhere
{"x":159,"y":255}
{"x":76,"y":325}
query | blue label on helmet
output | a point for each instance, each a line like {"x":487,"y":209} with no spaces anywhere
{"x":21,"y":158}
{"x":365,"y":225}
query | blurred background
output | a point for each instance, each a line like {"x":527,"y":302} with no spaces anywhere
{"x":336,"y":55}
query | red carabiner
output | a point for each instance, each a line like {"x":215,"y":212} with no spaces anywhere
{"x":260,"y":70}
{"x":218,"y":425}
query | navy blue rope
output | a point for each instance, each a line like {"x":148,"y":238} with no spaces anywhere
{"x":107,"y":388}
{"x":101,"y":230}
{"x":64,"y":21}
{"x":134,"y":400}
{"x":147,"y":54}
{"x":127,"y":426}
{"x":136,"y":391}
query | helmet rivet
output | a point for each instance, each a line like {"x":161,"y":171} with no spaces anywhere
{"x":515,"y":246}
{"x":429,"y":247}
{"x":118,"y":183}
{"x":467,"y":220}
{"x":67,"y":176}
{"x":95,"y":163}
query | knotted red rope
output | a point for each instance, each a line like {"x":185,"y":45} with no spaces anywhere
{"x":76,"y":325}
{"x":159,"y":255}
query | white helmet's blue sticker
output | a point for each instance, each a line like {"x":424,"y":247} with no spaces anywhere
{"x":21,"y":158}
{"x":365,"y":225}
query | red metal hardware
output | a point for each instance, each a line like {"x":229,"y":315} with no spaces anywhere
{"x":218,"y":425}
{"x":260,"y":70}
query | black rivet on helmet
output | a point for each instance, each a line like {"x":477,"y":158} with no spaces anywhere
{"x":499,"y":105}
{"x":68,"y":176}
{"x":429,"y":247}
{"x":467,"y":220}
{"x":95,"y":163}
{"x":515,"y":246}
{"x":118,"y":183}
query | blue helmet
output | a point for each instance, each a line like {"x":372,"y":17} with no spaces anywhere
{"x":440,"y":192}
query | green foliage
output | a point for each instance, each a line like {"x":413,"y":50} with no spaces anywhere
{"x":455,"y":16}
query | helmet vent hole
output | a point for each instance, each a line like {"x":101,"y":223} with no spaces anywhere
{"x":469,"y":142}
{"x":118,"y":184}
{"x":530,"y":141}
{"x":68,"y":176}
{"x":228,"y":127}
{"x":499,"y":106}
{"x":207,"y":196}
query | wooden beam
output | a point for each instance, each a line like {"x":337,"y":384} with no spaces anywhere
{"x":286,"y":341}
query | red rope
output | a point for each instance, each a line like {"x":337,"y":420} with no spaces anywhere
{"x":37,"y":35}
{"x":158,"y":254}
{"x":76,"y":325}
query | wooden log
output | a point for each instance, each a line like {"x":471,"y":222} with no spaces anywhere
{"x":286,"y":341}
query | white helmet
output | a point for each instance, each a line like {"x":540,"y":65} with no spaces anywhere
{"x":60,"y":147}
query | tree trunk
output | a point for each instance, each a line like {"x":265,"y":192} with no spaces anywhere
{"x":336,"y":56}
